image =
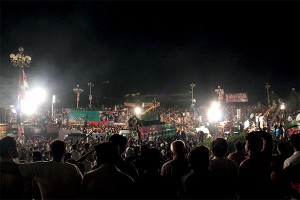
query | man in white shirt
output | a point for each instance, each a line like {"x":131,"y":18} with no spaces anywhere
{"x":56,"y":179}
{"x":295,"y":158}
{"x":291,"y":168}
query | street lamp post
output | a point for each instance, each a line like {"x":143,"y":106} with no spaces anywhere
{"x":20,"y":60}
{"x":90,"y":96}
{"x":77,"y":91}
{"x":267,"y":87}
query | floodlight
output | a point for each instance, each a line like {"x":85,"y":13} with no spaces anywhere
{"x":32,"y":100}
{"x":28,"y":107}
{"x":214,"y":113}
{"x":137,"y":110}
{"x":38,"y":95}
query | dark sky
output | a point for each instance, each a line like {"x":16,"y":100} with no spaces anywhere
{"x":154,"y":47}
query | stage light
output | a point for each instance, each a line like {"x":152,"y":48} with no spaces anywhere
{"x":38,"y":95}
{"x":137,"y":110}
{"x":28,"y":107}
{"x":32,"y":100}
{"x":214,"y":113}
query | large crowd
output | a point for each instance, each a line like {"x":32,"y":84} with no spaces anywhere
{"x":181,"y":167}
{"x":121,"y":168}
{"x":185,"y":118}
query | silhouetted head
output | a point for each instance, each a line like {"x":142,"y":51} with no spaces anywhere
{"x":119,"y":140}
{"x":57,"y":149}
{"x":37,"y":156}
{"x":199,"y":158}
{"x":8,"y":147}
{"x":178,"y":148}
{"x":239,"y":146}
{"x":219,"y":147}
{"x":153,"y":158}
{"x":107,"y":152}
{"x":254,"y":143}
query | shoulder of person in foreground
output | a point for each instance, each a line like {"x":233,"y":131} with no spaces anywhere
{"x":39,"y":169}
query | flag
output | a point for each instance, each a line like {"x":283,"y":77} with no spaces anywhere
{"x":25,"y":83}
{"x":21,"y":94}
{"x":23,"y":86}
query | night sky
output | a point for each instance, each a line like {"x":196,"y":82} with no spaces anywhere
{"x":154,"y":47}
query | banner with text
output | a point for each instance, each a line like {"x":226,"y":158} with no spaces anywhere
{"x":236,"y":97}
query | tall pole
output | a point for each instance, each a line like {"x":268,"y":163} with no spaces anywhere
{"x":267,"y":87}
{"x":77,"y":91}
{"x":90,"y":96}
{"x":192,"y":87}
{"x":20,"y":60}
{"x":219,"y":92}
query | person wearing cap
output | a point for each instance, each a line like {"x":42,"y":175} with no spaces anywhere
{"x":122,"y":164}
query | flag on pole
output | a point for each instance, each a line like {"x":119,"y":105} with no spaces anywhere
{"x":23,"y":86}
{"x":25,"y":83}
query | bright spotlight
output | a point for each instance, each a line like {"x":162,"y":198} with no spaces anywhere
{"x":28,"y":107}
{"x":39,"y":95}
{"x":137,"y":110}
{"x":32,"y":100}
{"x":282,"y":106}
{"x":214,"y":113}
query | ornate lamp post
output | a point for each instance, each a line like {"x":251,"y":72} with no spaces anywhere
{"x":90,"y":96}
{"x":20,"y":60}
{"x":267,"y":87}
{"x":77,"y":91}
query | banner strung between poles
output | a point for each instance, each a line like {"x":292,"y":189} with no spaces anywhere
{"x":237,"y":97}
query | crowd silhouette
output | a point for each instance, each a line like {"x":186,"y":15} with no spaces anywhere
{"x":105,"y":170}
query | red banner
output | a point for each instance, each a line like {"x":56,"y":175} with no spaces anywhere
{"x":25,"y":83}
{"x":97,"y":123}
{"x":143,"y":104}
{"x":237,"y":97}
{"x":149,"y":129}
{"x":129,"y":104}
